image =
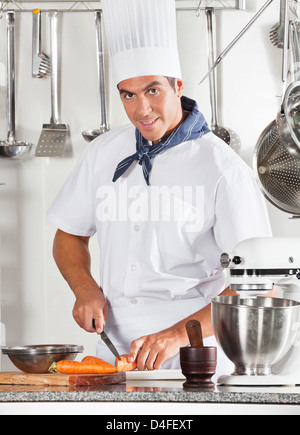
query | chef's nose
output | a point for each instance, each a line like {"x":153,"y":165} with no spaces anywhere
{"x":144,"y":107}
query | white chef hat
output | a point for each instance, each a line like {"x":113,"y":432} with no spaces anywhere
{"x":142,"y":38}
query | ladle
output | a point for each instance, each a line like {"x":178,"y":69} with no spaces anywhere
{"x":221,"y":132}
{"x":11,"y":147}
{"x":90,"y":135}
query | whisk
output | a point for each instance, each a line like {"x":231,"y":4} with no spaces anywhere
{"x":277,"y":33}
{"x":41,"y":64}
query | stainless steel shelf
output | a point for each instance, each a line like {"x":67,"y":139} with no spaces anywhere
{"x":89,"y":6}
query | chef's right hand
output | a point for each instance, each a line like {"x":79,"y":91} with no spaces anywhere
{"x":91,"y":305}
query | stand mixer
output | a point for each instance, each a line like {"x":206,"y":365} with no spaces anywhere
{"x":261,"y":335}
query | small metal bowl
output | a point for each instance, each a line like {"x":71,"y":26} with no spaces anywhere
{"x":37,"y":359}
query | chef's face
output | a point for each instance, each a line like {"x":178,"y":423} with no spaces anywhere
{"x":152,"y":105}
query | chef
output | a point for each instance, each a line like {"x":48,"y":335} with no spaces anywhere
{"x":164,"y":195}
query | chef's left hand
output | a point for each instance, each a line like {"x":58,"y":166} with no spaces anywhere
{"x":152,"y":351}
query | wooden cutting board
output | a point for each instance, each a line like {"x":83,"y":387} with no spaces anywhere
{"x":20,"y":378}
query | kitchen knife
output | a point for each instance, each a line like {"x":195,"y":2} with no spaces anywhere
{"x":108,"y":342}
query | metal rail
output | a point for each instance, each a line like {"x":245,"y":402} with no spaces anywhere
{"x":86,"y":6}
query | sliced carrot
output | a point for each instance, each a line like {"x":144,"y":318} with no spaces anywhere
{"x":74,"y":367}
{"x":94,"y":360}
{"x":124,"y":365}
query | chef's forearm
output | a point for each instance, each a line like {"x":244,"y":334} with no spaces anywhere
{"x":204,"y":317}
{"x":73,"y":259}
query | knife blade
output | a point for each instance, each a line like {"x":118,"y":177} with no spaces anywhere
{"x":110,"y":345}
{"x":108,"y":342}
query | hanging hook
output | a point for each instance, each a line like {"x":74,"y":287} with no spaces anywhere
{"x":198,"y":9}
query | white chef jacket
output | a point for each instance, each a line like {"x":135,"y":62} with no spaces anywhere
{"x":160,"y":245}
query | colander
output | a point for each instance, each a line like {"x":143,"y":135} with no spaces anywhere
{"x":288,"y":119}
{"x":277,"y":171}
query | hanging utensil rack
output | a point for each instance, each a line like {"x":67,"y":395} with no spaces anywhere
{"x":82,"y":6}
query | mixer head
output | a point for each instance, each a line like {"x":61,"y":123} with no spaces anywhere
{"x":256,"y":265}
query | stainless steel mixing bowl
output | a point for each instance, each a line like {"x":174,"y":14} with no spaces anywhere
{"x":38,"y":358}
{"x":257,"y":333}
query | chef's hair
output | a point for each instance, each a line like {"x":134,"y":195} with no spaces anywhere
{"x":172,"y":82}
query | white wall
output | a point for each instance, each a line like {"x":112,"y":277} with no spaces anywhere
{"x":38,"y":304}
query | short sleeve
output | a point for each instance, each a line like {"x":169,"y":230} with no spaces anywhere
{"x":241,"y":213}
{"x":73,"y":210}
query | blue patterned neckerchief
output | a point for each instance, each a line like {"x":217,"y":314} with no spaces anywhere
{"x":193,"y":127}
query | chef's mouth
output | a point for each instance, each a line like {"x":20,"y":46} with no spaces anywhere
{"x":148,"y":125}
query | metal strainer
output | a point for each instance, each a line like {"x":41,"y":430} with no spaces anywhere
{"x":278,"y":171}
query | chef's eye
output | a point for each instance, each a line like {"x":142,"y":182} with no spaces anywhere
{"x":128,"y":97}
{"x":153,"y":91}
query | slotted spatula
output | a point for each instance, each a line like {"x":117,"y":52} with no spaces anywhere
{"x":54,"y":136}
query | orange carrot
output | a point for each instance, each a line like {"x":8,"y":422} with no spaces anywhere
{"x":74,"y":367}
{"x":124,"y":365}
{"x":94,"y":360}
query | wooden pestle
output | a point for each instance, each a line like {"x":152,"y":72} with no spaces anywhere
{"x":194,"y":331}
